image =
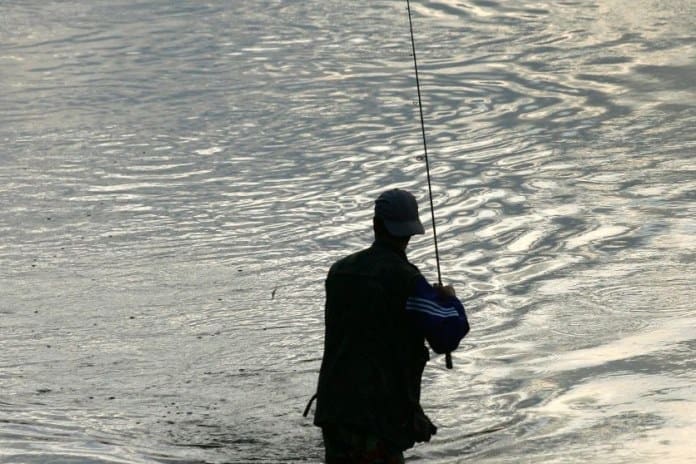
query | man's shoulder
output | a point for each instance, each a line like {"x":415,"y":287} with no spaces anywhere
{"x":350,"y":261}
{"x":376,"y":260}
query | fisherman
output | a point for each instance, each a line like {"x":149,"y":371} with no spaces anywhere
{"x":379,"y":311}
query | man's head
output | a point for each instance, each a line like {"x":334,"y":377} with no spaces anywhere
{"x":396,"y":217}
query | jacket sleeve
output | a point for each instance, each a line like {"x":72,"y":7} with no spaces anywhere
{"x":441,"y":319}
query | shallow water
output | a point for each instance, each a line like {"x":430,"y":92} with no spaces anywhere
{"x":177,"y":178}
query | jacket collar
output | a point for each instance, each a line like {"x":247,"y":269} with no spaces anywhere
{"x":384,"y":245}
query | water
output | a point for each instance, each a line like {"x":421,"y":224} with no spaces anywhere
{"x":176,"y":179}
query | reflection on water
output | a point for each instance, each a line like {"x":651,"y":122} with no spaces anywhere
{"x":176,"y":180}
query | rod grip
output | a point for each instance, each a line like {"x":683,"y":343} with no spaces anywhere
{"x":448,"y":360}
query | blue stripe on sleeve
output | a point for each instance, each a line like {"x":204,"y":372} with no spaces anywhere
{"x":441,"y":319}
{"x":429,"y":307}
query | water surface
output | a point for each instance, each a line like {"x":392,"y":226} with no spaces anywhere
{"x":176,"y":179}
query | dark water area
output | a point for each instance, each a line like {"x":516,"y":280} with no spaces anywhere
{"x":177,"y":177}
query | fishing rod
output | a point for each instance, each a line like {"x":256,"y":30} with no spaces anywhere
{"x":448,"y":356}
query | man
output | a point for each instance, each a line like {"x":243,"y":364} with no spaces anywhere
{"x":379,"y":311}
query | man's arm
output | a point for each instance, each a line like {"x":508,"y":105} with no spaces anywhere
{"x":438,"y":313}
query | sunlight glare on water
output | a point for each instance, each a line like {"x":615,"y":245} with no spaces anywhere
{"x":176,"y":179}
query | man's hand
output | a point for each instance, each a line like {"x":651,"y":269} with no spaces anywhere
{"x":445,"y":290}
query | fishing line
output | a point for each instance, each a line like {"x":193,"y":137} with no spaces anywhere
{"x":448,"y":356}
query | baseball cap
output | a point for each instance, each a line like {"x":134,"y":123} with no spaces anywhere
{"x":398,"y":209}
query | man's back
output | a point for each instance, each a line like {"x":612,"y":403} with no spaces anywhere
{"x":373,"y":359}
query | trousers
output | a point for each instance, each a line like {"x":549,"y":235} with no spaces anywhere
{"x":344,"y":445}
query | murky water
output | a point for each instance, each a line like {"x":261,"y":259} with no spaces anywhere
{"x":176,"y":178}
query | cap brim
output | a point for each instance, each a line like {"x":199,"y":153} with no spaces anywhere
{"x":404,"y":229}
